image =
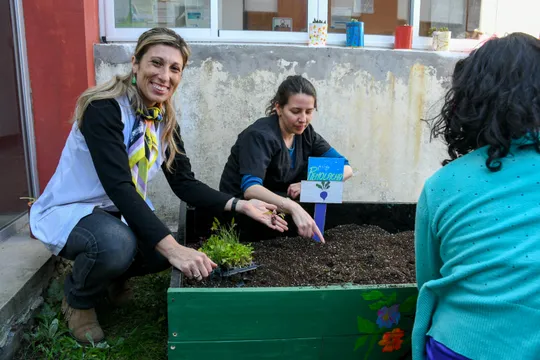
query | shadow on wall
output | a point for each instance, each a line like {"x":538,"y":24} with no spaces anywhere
{"x":393,"y":218}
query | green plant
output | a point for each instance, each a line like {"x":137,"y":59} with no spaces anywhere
{"x":433,"y":29}
{"x":134,"y":332}
{"x":353,"y":20}
{"x":224,"y":247}
{"x":317,"y":21}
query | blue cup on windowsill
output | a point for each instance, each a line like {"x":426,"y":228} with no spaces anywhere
{"x":355,"y":33}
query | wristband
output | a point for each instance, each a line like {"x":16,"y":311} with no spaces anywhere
{"x":233,"y":206}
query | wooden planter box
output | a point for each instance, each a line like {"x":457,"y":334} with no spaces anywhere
{"x":335,"y":322}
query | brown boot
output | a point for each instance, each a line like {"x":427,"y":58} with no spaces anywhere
{"x":82,"y":322}
{"x":119,"y":293}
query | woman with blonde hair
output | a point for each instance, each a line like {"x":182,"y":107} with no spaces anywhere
{"x":95,"y":209}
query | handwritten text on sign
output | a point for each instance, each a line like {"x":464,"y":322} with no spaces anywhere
{"x":325,"y":169}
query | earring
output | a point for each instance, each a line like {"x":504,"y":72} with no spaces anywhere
{"x":133,"y":80}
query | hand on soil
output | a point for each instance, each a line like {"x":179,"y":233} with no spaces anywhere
{"x":305,"y":224}
{"x":294,"y":190}
{"x":194,"y":264}
{"x":264,"y":213}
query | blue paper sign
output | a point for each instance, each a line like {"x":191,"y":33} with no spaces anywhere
{"x":325,"y":169}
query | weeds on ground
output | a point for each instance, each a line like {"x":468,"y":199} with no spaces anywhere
{"x":136,"y":331}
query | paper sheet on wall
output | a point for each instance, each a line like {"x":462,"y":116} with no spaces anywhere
{"x":367,"y":7}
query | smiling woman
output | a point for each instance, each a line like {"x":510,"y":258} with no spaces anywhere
{"x":159,"y":73}
{"x":95,"y":209}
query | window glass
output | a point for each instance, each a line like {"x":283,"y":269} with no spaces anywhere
{"x":380,"y":17}
{"x":14,"y":184}
{"x":263,"y":15}
{"x":473,"y":19}
{"x":166,"y":13}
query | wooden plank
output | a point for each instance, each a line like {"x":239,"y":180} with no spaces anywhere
{"x":282,"y":349}
{"x":344,"y":348}
{"x":276,"y":313}
{"x":319,"y":217}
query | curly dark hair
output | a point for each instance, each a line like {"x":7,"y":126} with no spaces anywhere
{"x":294,"y":84}
{"x":494,"y":98}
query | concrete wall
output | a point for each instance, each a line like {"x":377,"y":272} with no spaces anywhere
{"x":370,"y":105}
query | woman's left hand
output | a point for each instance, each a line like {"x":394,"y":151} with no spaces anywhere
{"x":294,"y":190}
{"x":262,"y":212}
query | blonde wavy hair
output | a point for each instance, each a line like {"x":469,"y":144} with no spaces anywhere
{"x":121,"y":85}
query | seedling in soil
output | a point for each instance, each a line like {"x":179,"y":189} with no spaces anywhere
{"x":324,"y":185}
{"x":225,"y":249}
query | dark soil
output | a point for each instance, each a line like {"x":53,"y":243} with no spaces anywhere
{"x":352,"y":254}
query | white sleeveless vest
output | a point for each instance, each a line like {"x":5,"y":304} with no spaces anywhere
{"x":75,"y":190}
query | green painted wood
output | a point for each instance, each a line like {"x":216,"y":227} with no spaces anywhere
{"x":283,"y":313}
{"x":344,"y":348}
{"x":282,"y":349}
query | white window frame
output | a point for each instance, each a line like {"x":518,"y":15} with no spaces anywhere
{"x":424,"y":42}
{"x":113,"y":33}
{"x":316,"y":9}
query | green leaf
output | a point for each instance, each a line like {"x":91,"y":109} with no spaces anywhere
{"x":360,"y":342}
{"x":319,"y":186}
{"x":53,"y":328}
{"x":407,"y":340}
{"x":365,"y":326}
{"x":377,"y":305}
{"x":371,"y":345}
{"x":409,"y":304}
{"x":372,"y":295}
{"x":391,"y":300}
{"x":90,"y":339}
{"x":103,"y":345}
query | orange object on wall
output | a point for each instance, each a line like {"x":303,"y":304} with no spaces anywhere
{"x":404,"y":37}
{"x":59,"y":38}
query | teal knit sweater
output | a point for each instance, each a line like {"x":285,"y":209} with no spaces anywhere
{"x":478,"y":258}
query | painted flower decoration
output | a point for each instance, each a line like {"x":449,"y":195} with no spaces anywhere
{"x":387,"y":317}
{"x":391,"y":341}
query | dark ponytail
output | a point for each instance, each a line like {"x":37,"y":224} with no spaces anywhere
{"x":294,"y":84}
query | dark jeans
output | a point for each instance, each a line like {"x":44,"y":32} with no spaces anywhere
{"x":104,"y":249}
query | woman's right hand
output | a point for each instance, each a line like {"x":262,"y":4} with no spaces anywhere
{"x":192,"y":263}
{"x":305,"y":223}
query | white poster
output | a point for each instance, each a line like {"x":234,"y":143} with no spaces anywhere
{"x":321,"y":192}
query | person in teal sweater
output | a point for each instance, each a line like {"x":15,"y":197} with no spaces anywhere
{"x":478,"y":217}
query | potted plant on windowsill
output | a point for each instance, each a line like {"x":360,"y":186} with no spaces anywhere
{"x":318,"y":33}
{"x":441,"y":38}
{"x":355,"y":33}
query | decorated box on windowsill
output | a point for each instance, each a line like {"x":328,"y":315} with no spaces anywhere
{"x":318,"y":33}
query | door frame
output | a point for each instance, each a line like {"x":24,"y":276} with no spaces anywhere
{"x":27,"y":118}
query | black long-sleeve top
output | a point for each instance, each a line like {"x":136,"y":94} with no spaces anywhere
{"x":102,"y":128}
